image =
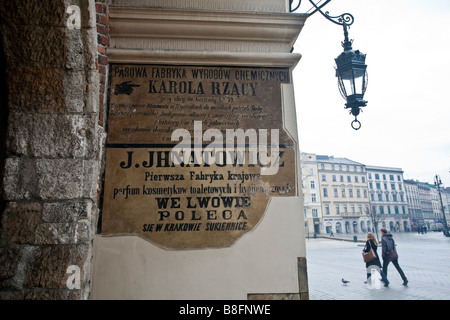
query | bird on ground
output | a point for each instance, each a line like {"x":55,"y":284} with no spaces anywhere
{"x":345,"y":281}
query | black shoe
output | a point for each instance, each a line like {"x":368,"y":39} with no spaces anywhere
{"x":386,"y":284}
{"x":405,"y":283}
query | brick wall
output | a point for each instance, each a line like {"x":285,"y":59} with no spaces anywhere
{"x":102,"y":18}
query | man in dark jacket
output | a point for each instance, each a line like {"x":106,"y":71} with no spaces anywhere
{"x":388,"y":245}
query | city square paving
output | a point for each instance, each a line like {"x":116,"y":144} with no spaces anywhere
{"x":425,"y":259}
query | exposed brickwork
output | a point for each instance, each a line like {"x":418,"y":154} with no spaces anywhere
{"x":102,"y":17}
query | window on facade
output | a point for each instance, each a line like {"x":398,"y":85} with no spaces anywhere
{"x":336,"y":192}
{"x":343,"y":193}
{"x":314,"y":213}
{"x":378,"y":186}
{"x":393,"y":186}
{"x":370,"y":175}
{"x":322,"y":166}
{"x":384,"y":176}
{"x":387,"y":196}
{"x":394,"y":197}
{"x":358,"y":193}
{"x":377,"y":176}
{"x":327,"y":209}
{"x":363,"y":179}
{"x":391,"y":177}
{"x":325,"y":192}
{"x":345,"y":208}
{"x":365,"y":193}
{"x":333,"y":177}
{"x":396,"y":209}
{"x":381,"y":209}
{"x":349,"y":179}
{"x":324,"y":177}
{"x":312,"y":184}
{"x":380,"y":198}
{"x":341,"y":178}
{"x":350,"y":193}
{"x":313,"y":197}
{"x":353,"y":208}
{"x":372,"y":197}
{"x":356,"y":179}
{"x":337,"y":209}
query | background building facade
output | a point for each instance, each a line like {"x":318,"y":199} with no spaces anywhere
{"x":343,"y":189}
{"x":426,"y":204}
{"x":345,"y":196}
{"x":414,"y":205}
{"x":388,"y":197}
{"x":312,"y":197}
{"x":446,"y":203}
{"x":436,"y":206}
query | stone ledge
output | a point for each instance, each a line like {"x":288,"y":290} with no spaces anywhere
{"x":203,"y":58}
{"x":181,"y":30}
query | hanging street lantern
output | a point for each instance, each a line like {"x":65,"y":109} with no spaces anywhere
{"x":351,"y":71}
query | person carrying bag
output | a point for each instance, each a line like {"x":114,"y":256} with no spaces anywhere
{"x":389,"y":254}
{"x":371,"y":258}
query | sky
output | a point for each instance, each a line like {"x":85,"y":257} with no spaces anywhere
{"x":406,"y":123}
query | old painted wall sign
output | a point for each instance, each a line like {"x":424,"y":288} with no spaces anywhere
{"x":194,"y":154}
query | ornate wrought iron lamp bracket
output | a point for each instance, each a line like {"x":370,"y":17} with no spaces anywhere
{"x":345,"y":19}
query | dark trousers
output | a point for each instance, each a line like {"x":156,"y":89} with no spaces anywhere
{"x":396,"y":265}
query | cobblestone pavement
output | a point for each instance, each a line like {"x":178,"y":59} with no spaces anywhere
{"x":425,"y":259}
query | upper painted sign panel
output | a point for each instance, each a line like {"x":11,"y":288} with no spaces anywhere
{"x":147,"y":103}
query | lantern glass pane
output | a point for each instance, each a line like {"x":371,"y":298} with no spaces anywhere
{"x":347,"y":82}
{"x":349,"y":87}
{"x":359,"y":81}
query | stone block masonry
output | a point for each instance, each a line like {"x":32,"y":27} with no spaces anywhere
{"x":52,"y":146}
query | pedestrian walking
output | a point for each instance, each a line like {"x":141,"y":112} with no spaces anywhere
{"x":389,"y":254}
{"x":371,"y":244}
